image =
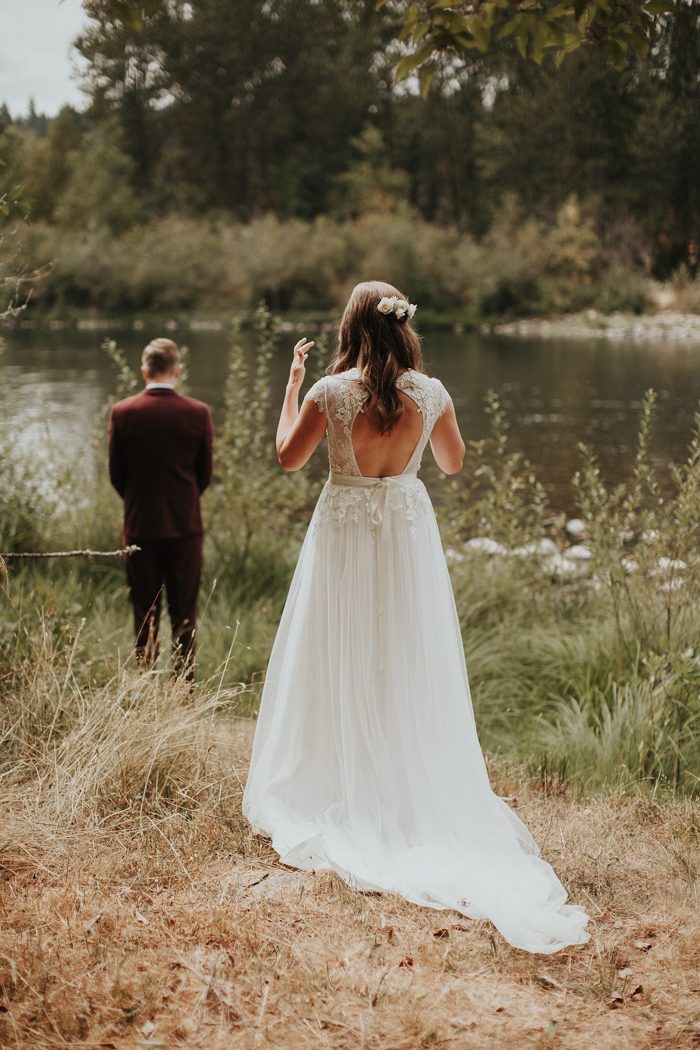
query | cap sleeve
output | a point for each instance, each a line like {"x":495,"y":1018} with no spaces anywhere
{"x":317,"y":394}
{"x":442,"y":398}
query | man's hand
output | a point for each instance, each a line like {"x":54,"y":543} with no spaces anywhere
{"x":298,"y":369}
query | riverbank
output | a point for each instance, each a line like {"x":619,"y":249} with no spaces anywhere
{"x":659,"y":327}
{"x":289,"y":321}
{"x":662,"y":325}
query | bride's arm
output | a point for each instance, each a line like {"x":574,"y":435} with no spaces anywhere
{"x":446,"y":442}
{"x":298,"y":433}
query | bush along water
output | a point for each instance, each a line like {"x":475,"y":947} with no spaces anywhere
{"x":521,"y":267}
{"x":582,"y":637}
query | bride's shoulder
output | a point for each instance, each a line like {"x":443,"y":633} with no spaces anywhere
{"x":430,"y":387}
{"x":329,"y":389}
{"x":420,"y":379}
{"x":348,"y":374}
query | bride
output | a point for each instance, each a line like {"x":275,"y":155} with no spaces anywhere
{"x":366,"y":760}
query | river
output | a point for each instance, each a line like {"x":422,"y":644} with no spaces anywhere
{"x":557,"y":392}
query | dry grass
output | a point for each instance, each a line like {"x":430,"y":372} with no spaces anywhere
{"x":148,"y":928}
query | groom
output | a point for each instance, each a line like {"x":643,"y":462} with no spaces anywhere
{"x":160,"y":461}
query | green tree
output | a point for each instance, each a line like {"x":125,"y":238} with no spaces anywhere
{"x":12,"y":147}
{"x":99,"y":190}
{"x":550,"y":133}
{"x":664,"y":186}
{"x":370,"y":184}
{"x":231,"y":95}
{"x":47,"y":162}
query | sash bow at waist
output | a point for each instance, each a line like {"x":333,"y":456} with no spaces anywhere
{"x":380,"y":489}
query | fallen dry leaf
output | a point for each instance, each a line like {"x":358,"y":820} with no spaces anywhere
{"x":142,"y":919}
{"x":407,"y":961}
{"x":616,"y":1001}
{"x":441,"y":933}
{"x":462,"y":1022}
{"x":643,"y":946}
{"x":625,"y":972}
{"x":637,"y":992}
{"x":548,"y":982}
{"x":93,"y":922}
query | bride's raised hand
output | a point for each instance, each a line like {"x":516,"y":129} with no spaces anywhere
{"x":298,"y":369}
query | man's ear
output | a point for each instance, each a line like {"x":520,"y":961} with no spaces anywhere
{"x":144,"y":373}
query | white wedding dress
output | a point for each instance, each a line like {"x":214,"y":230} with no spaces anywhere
{"x":366,"y":760}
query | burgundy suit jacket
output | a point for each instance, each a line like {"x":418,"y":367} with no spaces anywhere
{"x":160,"y":461}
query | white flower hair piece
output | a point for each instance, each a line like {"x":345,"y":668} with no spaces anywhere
{"x":392,"y":304}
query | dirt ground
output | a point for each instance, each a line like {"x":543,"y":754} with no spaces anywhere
{"x":191,"y":934}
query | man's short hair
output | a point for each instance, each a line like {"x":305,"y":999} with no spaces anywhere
{"x":160,"y":357}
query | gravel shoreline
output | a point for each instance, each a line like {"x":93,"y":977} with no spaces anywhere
{"x":659,"y":327}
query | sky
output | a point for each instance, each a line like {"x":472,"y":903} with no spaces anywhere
{"x":36,"y":58}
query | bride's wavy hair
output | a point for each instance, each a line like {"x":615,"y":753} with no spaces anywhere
{"x":380,"y":345}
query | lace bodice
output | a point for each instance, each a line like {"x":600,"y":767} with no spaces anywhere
{"x":340,"y":397}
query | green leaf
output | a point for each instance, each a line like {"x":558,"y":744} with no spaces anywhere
{"x":521,"y":37}
{"x":480,"y":31}
{"x":559,"y":11}
{"x":571,"y":41}
{"x":615,"y":54}
{"x":555,"y":37}
{"x":411,"y":17}
{"x":427,"y":75}
{"x":457,"y":24}
{"x":508,"y":28}
{"x":540,"y":38}
{"x":420,"y":31}
{"x":488,"y":12}
{"x":410,"y":62}
{"x":660,"y":7}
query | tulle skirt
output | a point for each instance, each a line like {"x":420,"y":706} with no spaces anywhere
{"x":366,"y":759}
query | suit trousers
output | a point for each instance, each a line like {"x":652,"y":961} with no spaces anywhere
{"x":173,"y":566}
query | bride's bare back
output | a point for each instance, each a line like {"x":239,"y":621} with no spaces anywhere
{"x":384,"y":455}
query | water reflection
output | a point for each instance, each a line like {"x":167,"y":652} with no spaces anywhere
{"x":557,"y":393}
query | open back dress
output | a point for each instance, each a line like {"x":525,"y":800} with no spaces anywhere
{"x":366,"y":759}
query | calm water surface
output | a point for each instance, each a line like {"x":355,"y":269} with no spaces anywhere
{"x":557,"y":393}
